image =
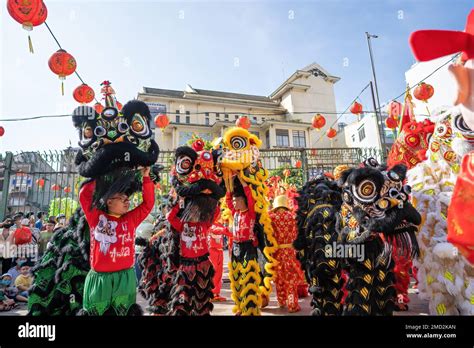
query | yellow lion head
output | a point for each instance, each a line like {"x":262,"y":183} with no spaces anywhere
{"x":239,"y":149}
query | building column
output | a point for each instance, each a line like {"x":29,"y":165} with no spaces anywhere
{"x":272,"y":136}
{"x":223,"y":129}
{"x":175,"y":138}
{"x":308,"y":137}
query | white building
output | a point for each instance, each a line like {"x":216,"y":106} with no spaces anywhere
{"x":281,"y":120}
{"x":364,"y":133}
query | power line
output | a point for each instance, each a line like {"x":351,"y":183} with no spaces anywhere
{"x":199,"y":113}
{"x":345,"y":111}
{"x":256,"y":114}
{"x":429,"y":75}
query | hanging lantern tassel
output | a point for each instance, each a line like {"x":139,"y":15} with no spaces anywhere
{"x":428,"y":110}
{"x":30,"y":43}
{"x":62,"y":87}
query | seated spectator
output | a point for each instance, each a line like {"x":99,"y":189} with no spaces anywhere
{"x":10,"y":290}
{"x":6,"y":303}
{"x":24,"y":281}
{"x":15,"y":271}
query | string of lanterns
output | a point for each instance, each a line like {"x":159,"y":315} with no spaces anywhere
{"x":32,"y":13}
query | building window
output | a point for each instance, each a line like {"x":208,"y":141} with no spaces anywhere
{"x":353,"y":138}
{"x":226,"y":117}
{"x":299,"y":139}
{"x":256,"y":133}
{"x":361,"y":131}
{"x":267,"y":139}
{"x":188,"y":117}
{"x":218,"y":116}
{"x":178,"y":117}
{"x":207,"y":119}
{"x":236,"y":117}
{"x":282,"y":138}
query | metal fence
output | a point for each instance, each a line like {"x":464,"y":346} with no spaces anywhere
{"x":49,"y":181}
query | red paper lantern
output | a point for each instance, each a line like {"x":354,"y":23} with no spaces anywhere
{"x":318,"y":121}
{"x":98,"y":107}
{"x":83,"y":94}
{"x":119,"y":106}
{"x":331,"y":133}
{"x":391,"y":123}
{"x":243,"y":122}
{"x":29,"y":13}
{"x":356,"y":108}
{"x":67,"y":189}
{"x":394,"y":109}
{"x":62,"y":64}
{"x":2,"y":131}
{"x":423,"y":92}
{"x":162,"y":121}
{"x":40,"y":182}
{"x":298,"y":164}
{"x":55,"y":187}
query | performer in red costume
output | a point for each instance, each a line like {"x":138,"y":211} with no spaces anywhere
{"x":216,"y":254}
{"x":244,"y":270}
{"x":287,"y":276}
{"x":111,"y":282}
{"x":194,"y":251}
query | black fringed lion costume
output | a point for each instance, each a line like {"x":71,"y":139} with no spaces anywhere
{"x":375,"y":214}
{"x":172,"y":283}
{"x":318,"y":203}
{"x":112,"y":145}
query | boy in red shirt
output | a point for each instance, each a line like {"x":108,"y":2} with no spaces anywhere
{"x":216,"y":254}
{"x":110,"y":285}
{"x":192,"y":292}
{"x":244,"y":270}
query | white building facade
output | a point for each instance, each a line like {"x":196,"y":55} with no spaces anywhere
{"x":281,"y":120}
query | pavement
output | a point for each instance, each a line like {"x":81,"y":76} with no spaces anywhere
{"x":416,"y":306}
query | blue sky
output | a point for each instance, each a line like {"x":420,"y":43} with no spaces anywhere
{"x":167,"y":44}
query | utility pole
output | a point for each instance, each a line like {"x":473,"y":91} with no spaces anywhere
{"x":379,"y":125}
{"x":378,"y":113}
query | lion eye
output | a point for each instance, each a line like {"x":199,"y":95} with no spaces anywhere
{"x":442,"y":130}
{"x":99,"y":131}
{"x":184,"y":165}
{"x":366,"y":191}
{"x":123,"y":127}
{"x":139,"y":126}
{"x":238,"y":143}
